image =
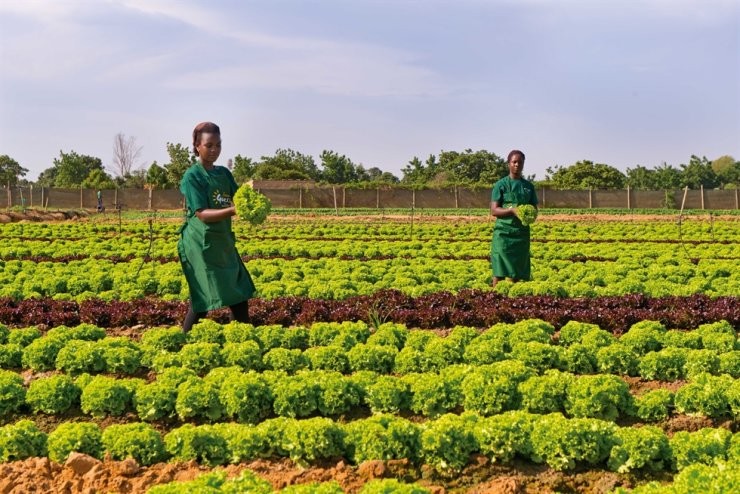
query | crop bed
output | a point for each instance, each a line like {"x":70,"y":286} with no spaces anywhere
{"x":376,"y":359}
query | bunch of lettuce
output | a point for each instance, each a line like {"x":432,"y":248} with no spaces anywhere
{"x":526,"y":213}
{"x":251,"y":205}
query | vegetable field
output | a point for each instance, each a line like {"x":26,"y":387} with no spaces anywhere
{"x":377,"y":358}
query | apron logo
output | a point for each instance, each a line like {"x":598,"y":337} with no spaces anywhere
{"x":220,"y":199}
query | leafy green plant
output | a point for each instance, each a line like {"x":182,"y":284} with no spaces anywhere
{"x":446,"y":443}
{"x":386,"y":486}
{"x":493,"y":388}
{"x":295,"y":396}
{"x":563,"y":443}
{"x":80,"y":437}
{"x":617,"y":359}
{"x":197,"y":398}
{"x":579,"y":359}
{"x":12,"y":392}
{"x":643,"y":448}
{"x":245,"y":442}
{"x":328,"y":358}
{"x":105,"y":396}
{"x":704,"y":446}
{"x":246,"y":397}
{"x":654,"y":405}
{"x":41,"y":354}
{"x":574,"y":331}
{"x":729,"y":363}
{"x":526,"y":213}
{"x":251,"y":205}
{"x":372,"y":357}
{"x":200,"y":357}
{"x":537,"y":355}
{"x":545,"y":394}
{"x":203,"y":443}
{"x":290,"y":361}
{"x":53,"y":395}
{"x":336,"y":394}
{"x":121,"y":355}
{"x":389,"y":333}
{"x":155,"y":401}
{"x":388,"y":394}
{"x":600,"y":396}
{"x":699,"y":361}
{"x":312,"y":439}
{"x":23,"y":336}
{"x":502,"y":437}
{"x":644,"y":336}
{"x":206,"y":331}
{"x":245,"y":354}
{"x":11,"y":356}
{"x":681,"y":339}
{"x":664,"y":365}
{"x":136,"y":440}
{"x":485,"y":350}
{"x":382,"y":437}
{"x":430,"y":395}
{"x":704,"y":395}
{"x":21,"y":440}
{"x":78,"y":356}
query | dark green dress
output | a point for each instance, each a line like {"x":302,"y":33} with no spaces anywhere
{"x":215,"y":273}
{"x":510,"y":243}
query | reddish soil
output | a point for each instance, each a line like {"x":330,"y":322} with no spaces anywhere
{"x":84,"y":474}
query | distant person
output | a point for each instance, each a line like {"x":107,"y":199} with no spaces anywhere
{"x":100,"y":201}
{"x":213,"y":269}
{"x":510,"y":244}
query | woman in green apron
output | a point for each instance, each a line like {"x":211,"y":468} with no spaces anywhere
{"x":213,"y":269}
{"x":510,"y":244}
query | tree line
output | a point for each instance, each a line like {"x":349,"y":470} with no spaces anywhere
{"x":449,"y":168}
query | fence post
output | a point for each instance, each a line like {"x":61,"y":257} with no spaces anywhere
{"x":413,"y":199}
{"x":42,"y":197}
{"x":457,"y":206}
{"x":10,"y":197}
{"x":737,"y":202}
{"x":377,"y":197}
{"x":115,"y":198}
{"x":344,"y":206}
{"x":300,"y":198}
{"x":150,"y":199}
{"x":334,"y":193}
{"x":590,"y":199}
{"x":701,"y":190}
{"x":30,"y":199}
{"x":543,"y":196}
{"x":81,"y":206}
{"x":628,"y":198}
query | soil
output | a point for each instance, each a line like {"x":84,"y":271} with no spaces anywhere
{"x":84,"y":474}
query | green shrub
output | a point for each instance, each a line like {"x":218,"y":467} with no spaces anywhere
{"x":328,"y":358}
{"x":502,"y":437}
{"x":382,"y":437}
{"x":574,"y":331}
{"x":562,"y":443}
{"x":105,"y":396}
{"x":664,"y":365}
{"x":600,"y":396}
{"x":198,"y":399}
{"x":704,"y":446}
{"x":290,"y":361}
{"x":388,"y":394}
{"x":136,"y":440}
{"x":203,"y":444}
{"x":617,"y":359}
{"x":80,"y":437}
{"x":78,"y":356}
{"x":155,"y":401}
{"x":20,"y":441}
{"x":11,"y":356}
{"x":201,"y":357}
{"x":12,"y":392}
{"x":643,"y":448}
{"x":23,"y":336}
{"x":704,"y":395}
{"x":654,"y":405}
{"x":447,"y":443}
{"x":245,"y":354}
{"x":545,"y":394}
{"x":376,"y":358}
{"x":53,"y":395}
{"x":246,"y":397}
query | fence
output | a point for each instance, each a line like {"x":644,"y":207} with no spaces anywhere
{"x":312,"y":196}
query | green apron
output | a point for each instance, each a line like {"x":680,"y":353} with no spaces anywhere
{"x":510,"y":243}
{"x":213,"y":269}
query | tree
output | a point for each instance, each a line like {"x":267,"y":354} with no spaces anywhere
{"x":156,"y":177}
{"x":125,"y":154}
{"x":727,"y":170}
{"x":641,"y":178}
{"x":287,"y":165}
{"x":418,"y":173}
{"x":10,"y":170}
{"x":72,"y":168}
{"x":471,"y":167}
{"x":98,"y":179}
{"x":134,"y":180}
{"x":338,"y":169}
{"x":698,"y":173}
{"x":243,"y":169}
{"x":180,"y":160}
{"x":584,"y":175}
{"x":667,"y":177}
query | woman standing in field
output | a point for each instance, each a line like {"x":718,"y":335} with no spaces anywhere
{"x":214,"y":271}
{"x":510,"y":244}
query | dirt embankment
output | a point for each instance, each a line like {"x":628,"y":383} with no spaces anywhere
{"x":41,"y":216}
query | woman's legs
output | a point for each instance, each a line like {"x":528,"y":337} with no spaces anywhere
{"x":240,"y":311}
{"x":191,"y":318}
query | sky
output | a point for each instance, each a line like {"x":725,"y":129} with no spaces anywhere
{"x":621,"y":82}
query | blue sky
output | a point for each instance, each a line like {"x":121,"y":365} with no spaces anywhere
{"x":619,"y":82}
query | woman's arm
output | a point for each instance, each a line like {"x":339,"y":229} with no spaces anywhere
{"x":499,"y":212}
{"x":214,"y":215}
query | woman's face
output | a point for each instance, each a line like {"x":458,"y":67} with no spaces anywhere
{"x":516,"y":165}
{"x":209,"y":147}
